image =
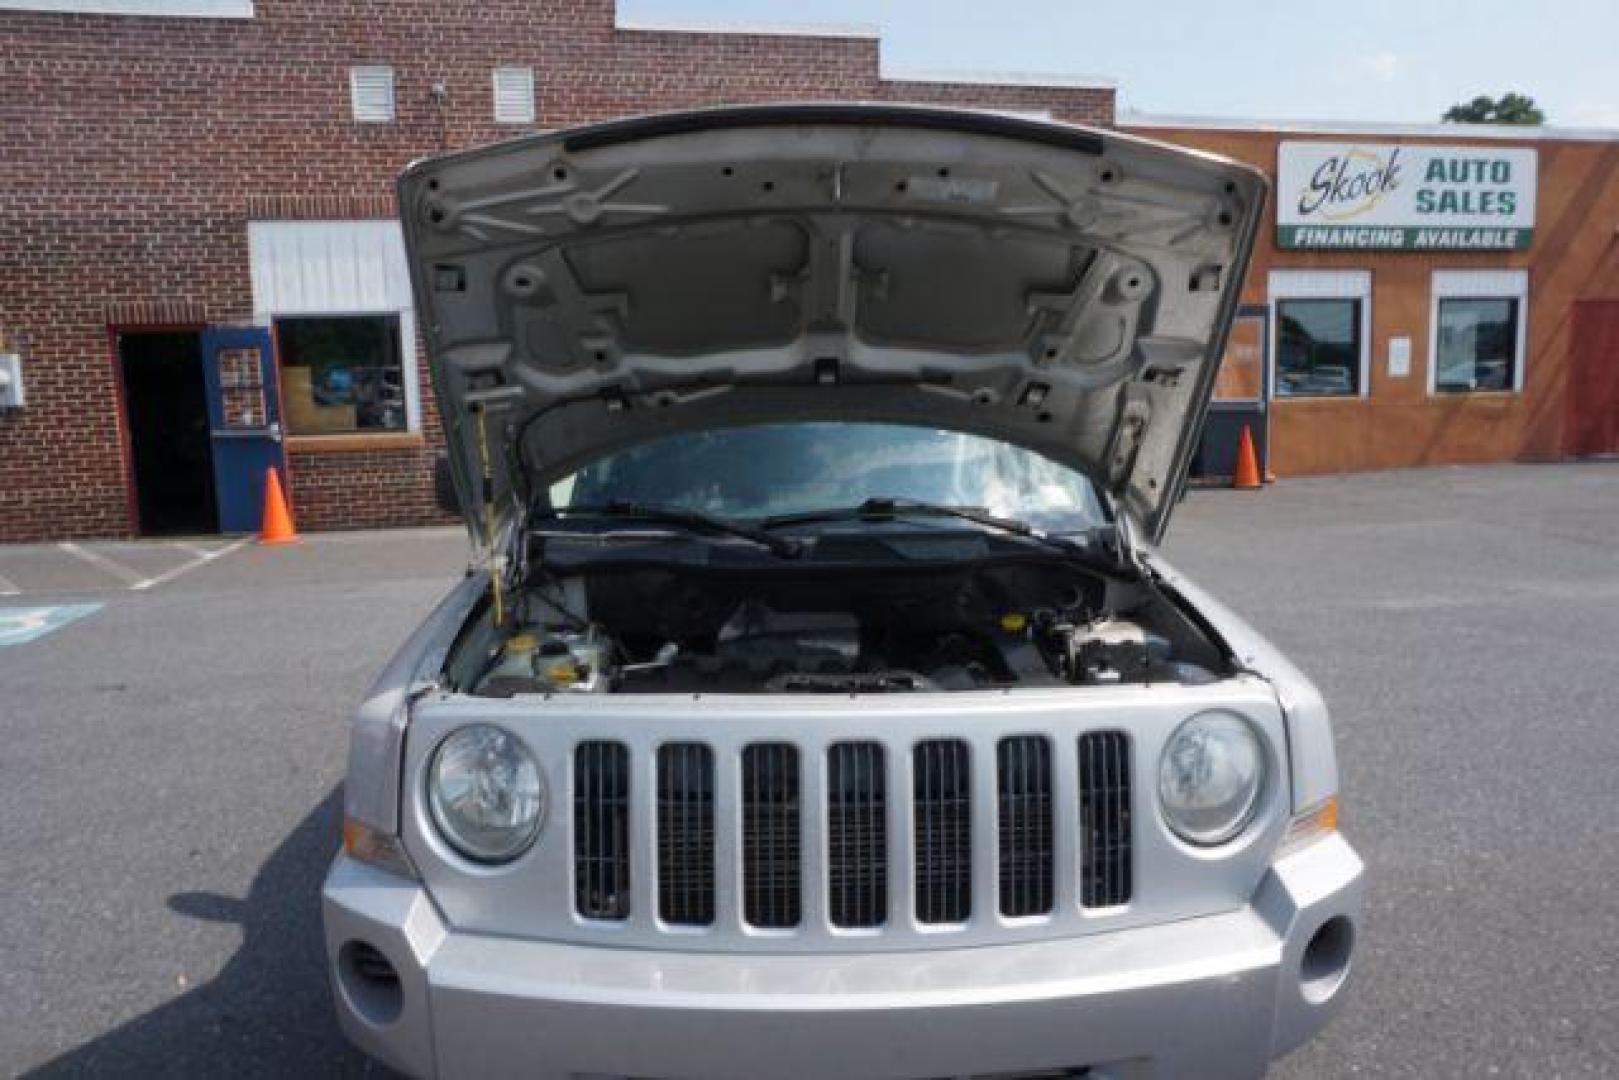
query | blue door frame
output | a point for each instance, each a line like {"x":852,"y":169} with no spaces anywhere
{"x":1216,"y":456}
{"x":244,"y":420}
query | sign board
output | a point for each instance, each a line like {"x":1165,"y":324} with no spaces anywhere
{"x":1376,"y":196}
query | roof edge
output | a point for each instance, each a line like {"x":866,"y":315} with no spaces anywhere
{"x":1041,"y":80}
{"x":859,"y":31}
{"x":1501,"y":132}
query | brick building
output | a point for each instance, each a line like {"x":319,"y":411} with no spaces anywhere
{"x":1465,"y":311}
{"x":230,"y":163}
{"x":200,"y":274}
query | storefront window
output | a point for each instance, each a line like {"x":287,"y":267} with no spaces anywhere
{"x":341,"y":374}
{"x":1318,"y":348}
{"x":1477,"y":344}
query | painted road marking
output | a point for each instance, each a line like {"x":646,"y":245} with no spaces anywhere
{"x":202,"y":557}
{"x":101,"y":562}
{"x":190,"y":549}
{"x":19,"y":625}
{"x":8,"y":587}
{"x":133,"y":579}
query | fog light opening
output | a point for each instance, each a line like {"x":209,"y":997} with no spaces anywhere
{"x":370,"y":982}
{"x":1325,"y":965}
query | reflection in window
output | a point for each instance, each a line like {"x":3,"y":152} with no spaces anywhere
{"x":1477,"y":345}
{"x":769,"y":469}
{"x":1317,"y":348}
{"x":341,"y":374}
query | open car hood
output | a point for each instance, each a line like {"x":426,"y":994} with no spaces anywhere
{"x":1060,"y":288}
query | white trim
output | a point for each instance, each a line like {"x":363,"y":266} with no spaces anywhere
{"x":862,"y":31}
{"x":1478,"y":285}
{"x":1039,"y":80}
{"x":164,"y":9}
{"x":1499,"y":132}
{"x":1321,"y":285}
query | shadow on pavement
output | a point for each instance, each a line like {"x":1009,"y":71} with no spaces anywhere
{"x":269,"y":1011}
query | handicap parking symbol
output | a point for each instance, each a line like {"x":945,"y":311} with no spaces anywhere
{"x":22,"y":624}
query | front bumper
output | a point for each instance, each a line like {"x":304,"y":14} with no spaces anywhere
{"x":1215,"y":996}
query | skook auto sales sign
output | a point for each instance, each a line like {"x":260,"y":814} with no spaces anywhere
{"x":1371,"y":196}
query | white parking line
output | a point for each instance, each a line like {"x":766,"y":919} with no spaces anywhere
{"x":101,"y":562}
{"x":190,"y":549}
{"x":202,"y":557}
{"x":8,"y":587}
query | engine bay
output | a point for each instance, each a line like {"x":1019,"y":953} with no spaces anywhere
{"x":679,"y":629}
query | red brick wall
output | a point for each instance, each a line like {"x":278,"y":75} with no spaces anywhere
{"x":134,"y":150}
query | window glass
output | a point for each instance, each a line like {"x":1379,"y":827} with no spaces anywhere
{"x":1317,"y":348}
{"x":756,"y":472}
{"x":341,"y":374}
{"x":1477,"y":344}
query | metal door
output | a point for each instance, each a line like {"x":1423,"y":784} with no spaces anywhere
{"x":244,"y":418}
{"x":1241,"y":397}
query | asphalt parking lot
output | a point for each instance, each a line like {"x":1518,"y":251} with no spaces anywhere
{"x":171,"y":761}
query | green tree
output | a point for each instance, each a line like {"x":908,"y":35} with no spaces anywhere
{"x":1510,"y":109}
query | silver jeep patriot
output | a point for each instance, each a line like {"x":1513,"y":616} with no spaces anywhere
{"x":818,"y":704}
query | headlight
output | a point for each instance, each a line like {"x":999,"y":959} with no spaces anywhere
{"x":486,"y":793}
{"x":1209,"y":778}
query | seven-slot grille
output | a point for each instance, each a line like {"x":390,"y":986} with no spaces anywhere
{"x":857,"y":847}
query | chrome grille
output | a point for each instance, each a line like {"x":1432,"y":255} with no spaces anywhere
{"x":770,"y":836}
{"x":686,"y":834}
{"x":857,"y":834}
{"x":601,"y":823}
{"x":1023,"y":776}
{"x":942,"y":794}
{"x":1104,"y":819}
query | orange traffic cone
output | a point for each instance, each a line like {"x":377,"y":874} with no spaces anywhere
{"x":277,"y":526}
{"x":1247,"y":475}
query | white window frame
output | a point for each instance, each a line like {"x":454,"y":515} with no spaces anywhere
{"x":314,"y":269}
{"x":356,"y":110}
{"x":525,"y":75}
{"x":1320,"y":285}
{"x":1478,"y":285}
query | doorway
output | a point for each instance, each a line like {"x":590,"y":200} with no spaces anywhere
{"x":166,"y":413}
{"x":1241,"y":399}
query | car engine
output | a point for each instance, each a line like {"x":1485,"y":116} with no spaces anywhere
{"x":679,"y":630}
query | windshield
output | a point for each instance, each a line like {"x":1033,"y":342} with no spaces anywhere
{"x":769,"y":470}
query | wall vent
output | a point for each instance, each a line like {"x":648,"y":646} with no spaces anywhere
{"x":371,"y":90}
{"x":514,"y":95}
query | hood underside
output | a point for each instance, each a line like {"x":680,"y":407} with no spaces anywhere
{"x":1063,"y":289}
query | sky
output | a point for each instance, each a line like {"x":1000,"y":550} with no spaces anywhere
{"x":1376,"y":60}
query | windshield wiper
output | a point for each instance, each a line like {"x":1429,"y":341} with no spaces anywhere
{"x":682,"y":518}
{"x":887,"y":508}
